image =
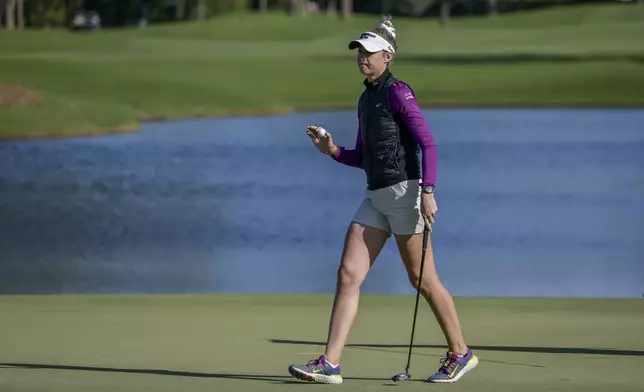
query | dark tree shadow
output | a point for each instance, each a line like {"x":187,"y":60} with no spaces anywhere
{"x":282,"y":379}
{"x":390,"y":350}
{"x":519,"y":349}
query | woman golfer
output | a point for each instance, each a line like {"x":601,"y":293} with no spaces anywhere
{"x":397,"y":200}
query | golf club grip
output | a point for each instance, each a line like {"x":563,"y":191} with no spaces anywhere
{"x":420,"y":280}
{"x":425,"y":235}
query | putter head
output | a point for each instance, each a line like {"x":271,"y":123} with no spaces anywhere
{"x":401,"y":377}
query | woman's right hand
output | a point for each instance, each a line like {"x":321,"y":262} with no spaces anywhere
{"x":325,"y":143}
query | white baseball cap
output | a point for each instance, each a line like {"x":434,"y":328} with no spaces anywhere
{"x":372,"y":42}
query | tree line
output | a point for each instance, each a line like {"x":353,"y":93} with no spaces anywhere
{"x":56,"y":13}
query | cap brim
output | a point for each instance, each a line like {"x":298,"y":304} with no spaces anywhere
{"x":368,"y":45}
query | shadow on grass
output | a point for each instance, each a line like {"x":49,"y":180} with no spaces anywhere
{"x":389,"y":350}
{"x":518,"y":349}
{"x":514,"y":58}
{"x":283,"y":379}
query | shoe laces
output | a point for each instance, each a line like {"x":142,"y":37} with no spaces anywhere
{"x":448,"y":363}
{"x":318,"y":362}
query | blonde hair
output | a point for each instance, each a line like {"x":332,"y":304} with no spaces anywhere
{"x":387,"y":31}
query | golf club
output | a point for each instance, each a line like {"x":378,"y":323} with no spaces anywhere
{"x":406,"y":376}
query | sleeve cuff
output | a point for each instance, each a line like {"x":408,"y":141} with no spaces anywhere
{"x":338,"y":154}
{"x":426,"y":183}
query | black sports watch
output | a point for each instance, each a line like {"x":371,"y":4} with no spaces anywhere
{"x":427,"y":189}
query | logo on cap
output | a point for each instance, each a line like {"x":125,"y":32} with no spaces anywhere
{"x":368,"y":35}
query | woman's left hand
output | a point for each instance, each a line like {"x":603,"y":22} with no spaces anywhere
{"x":428,"y":209}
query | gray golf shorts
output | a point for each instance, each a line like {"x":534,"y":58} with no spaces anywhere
{"x":394,"y":209}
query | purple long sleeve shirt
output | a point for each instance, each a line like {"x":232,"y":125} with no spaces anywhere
{"x":402,"y":103}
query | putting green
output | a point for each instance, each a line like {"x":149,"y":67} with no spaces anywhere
{"x":245,"y":343}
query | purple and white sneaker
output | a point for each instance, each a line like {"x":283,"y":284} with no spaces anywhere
{"x":317,"y":370}
{"x":454,"y":367}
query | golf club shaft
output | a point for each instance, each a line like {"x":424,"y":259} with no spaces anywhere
{"x":420,"y":279}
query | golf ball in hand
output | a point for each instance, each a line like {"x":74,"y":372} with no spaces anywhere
{"x":321,"y":132}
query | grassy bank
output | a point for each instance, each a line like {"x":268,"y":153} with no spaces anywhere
{"x":581,"y":56}
{"x":245,"y":343}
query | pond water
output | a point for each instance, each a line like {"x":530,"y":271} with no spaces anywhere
{"x":531,"y":203}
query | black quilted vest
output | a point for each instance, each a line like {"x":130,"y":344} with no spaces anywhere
{"x":389,"y":152}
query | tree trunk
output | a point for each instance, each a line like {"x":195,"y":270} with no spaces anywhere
{"x":201,"y":10}
{"x":263,"y":6}
{"x":347,"y":9}
{"x":331,"y":7}
{"x":298,"y":7}
{"x":143,"y":8}
{"x":21,"y":14}
{"x":10,"y":12}
{"x":446,"y":9}
{"x":304,"y":7}
{"x":187,"y":10}
{"x":492,"y":7}
{"x":294,"y":7}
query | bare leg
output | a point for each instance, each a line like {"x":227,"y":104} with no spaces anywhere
{"x":438,"y":298}
{"x":362,"y":246}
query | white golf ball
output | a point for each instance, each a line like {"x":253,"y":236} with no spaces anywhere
{"x":321,"y":132}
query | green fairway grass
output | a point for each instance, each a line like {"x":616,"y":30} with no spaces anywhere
{"x":238,"y":64}
{"x":246,"y":342}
